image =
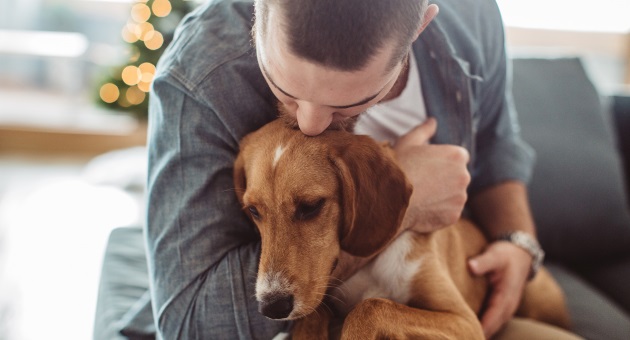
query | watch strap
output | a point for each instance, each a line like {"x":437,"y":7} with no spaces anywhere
{"x":528,"y":243}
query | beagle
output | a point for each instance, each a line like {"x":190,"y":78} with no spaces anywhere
{"x":312,"y":197}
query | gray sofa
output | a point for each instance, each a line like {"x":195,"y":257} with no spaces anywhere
{"x":577,"y":195}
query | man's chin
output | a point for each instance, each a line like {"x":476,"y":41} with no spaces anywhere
{"x":346,"y":124}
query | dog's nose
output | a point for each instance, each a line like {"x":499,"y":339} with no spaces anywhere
{"x":276,"y":307}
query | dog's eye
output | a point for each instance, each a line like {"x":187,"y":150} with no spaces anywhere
{"x":252,"y":210}
{"x":306,"y":211}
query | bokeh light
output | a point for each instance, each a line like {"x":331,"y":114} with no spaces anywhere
{"x":147,"y":70}
{"x":129,"y":33}
{"x":134,"y":95}
{"x":109,"y":93}
{"x":131,"y":75}
{"x":145,"y":29}
{"x":147,"y":67}
{"x":140,"y":13}
{"x":153,"y":40}
{"x":123,"y":102}
{"x":144,"y":86}
{"x":149,"y":24}
{"x":161,"y":8}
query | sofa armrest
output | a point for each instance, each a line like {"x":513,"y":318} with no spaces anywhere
{"x":621,"y":114}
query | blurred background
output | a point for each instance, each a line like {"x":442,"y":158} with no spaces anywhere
{"x":74,"y":81}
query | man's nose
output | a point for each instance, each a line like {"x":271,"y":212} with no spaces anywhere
{"x":312,"y":119}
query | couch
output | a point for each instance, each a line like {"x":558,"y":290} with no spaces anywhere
{"x":578,"y":197}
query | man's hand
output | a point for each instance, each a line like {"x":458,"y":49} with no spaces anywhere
{"x":439,"y":177}
{"x":507,"y":267}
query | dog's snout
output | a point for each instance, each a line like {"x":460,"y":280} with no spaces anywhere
{"x":277,"y":307}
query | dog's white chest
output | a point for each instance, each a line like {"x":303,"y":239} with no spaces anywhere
{"x":389,"y":276}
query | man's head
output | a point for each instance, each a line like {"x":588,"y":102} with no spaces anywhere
{"x":329,"y":60}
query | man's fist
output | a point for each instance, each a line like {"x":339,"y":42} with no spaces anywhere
{"x":439,"y":177}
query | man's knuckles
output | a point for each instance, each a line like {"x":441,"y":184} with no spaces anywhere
{"x":455,"y":154}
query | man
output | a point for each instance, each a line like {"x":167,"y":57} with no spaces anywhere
{"x":325,"y":62}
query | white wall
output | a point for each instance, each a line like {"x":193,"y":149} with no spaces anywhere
{"x":578,"y":15}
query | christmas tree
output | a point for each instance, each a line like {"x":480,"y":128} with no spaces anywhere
{"x":148,"y":31}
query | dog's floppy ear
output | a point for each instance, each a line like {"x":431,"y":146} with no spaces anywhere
{"x":240,"y":181}
{"x":375,"y":195}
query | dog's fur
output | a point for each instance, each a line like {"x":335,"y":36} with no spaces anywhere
{"x":311,"y":197}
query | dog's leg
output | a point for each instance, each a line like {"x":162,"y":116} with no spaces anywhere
{"x":436,"y":309}
{"x":314,"y":326}
{"x":378,"y":318}
{"x":543,"y":300}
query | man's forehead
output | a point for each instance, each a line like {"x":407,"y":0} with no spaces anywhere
{"x":287,"y":72}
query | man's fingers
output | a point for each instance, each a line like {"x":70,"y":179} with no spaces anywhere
{"x":421,"y":134}
{"x":483,"y":264}
{"x":493,"y":318}
{"x":497,"y":263}
{"x":501,"y":307}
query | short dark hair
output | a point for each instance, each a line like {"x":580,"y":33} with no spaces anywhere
{"x":345,"y":34}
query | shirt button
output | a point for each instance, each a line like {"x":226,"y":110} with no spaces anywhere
{"x":458,"y":96}
{"x":432,"y":54}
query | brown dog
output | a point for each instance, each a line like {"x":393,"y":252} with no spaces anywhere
{"x":312,"y":197}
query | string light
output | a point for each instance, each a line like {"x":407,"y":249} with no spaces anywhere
{"x":109,"y":93}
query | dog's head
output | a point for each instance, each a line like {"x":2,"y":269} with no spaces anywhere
{"x":311,"y":197}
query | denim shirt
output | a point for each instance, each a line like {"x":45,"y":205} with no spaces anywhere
{"x":209,"y":92}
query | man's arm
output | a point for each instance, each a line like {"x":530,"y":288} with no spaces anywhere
{"x":502,"y":209}
{"x":502,"y":167}
{"x":202,"y":251}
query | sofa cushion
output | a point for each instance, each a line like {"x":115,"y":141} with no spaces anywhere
{"x":577,"y":192}
{"x":123,"y":310}
{"x":621,"y":109}
{"x":594,"y":316}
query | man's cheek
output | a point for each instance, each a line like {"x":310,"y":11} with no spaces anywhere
{"x":285,"y":114}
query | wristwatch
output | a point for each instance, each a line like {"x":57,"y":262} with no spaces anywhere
{"x":528,"y":243}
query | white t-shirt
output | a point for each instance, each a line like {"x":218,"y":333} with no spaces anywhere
{"x":389,"y":120}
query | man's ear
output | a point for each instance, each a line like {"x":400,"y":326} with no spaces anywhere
{"x":375,"y":195}
{"x":429,"y":14}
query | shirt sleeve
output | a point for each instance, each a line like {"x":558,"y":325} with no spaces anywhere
{"x":501,"y":154}
{"x":202,"y":250}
